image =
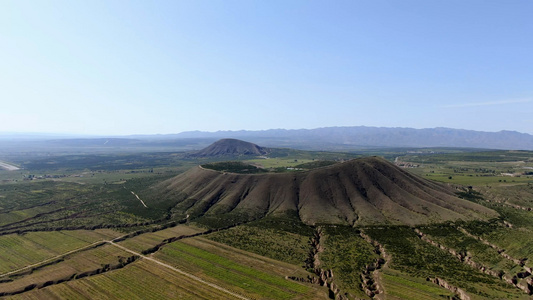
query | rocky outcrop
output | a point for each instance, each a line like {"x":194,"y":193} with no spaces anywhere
{"x":442,"y":283}
{"x":323,"y":277}
{"x":371,"y":282}
{"x":504,"y":202}
{"x":507,"y":224}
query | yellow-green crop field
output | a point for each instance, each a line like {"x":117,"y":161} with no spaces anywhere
{"x":19,"y":251}
{"x":75,"y":268}
{"x":141,"y":280}
{"x":75,"y":263}
{"x":232,"y":273}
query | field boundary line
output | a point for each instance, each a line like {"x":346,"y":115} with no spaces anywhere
{"x":179,"y":271}
{"x":53,"y":258}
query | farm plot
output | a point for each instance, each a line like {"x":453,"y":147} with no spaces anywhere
{"x":141,"y":280}
{"x":148,"y":240}
{"x":258,"y":262}
{"x":76,"y":265}
{"x":240,"y":273}
{"x":19,"y":251}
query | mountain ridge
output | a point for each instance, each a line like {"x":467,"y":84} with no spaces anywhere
{"x":380,"y":137}
{"x":325,"y":138}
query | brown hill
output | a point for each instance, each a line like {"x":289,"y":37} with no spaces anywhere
{"x":359,"y":192}
{"x":231,"y":147}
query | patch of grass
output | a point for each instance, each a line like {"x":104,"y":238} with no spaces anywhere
{"x":287,"y":222}
{"x":315,"y":164}
{"x":406,"y":287}
{"x":457,"y":240}
{"x":517,"y":243}
{"x":281,"y":245}
{"x":234,"y":167}
{"x":230,"y":272}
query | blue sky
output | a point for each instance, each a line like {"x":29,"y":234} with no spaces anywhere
{"x":149,"y":67}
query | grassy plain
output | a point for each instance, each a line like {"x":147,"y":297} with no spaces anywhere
{"x":474,"y":168}
{"x":270,"y":241}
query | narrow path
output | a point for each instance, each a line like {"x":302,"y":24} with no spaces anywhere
{"x":139,"y":198}
{"x":179,"y":271}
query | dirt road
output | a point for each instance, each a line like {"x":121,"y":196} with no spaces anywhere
{"x":8,"y":167}
{"x":180,"y":271}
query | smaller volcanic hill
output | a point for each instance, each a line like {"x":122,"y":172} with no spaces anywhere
{"x":363,"y":191}
{"x":231,"y":147}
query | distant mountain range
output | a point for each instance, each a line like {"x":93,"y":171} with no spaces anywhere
{"x":362,"y":136}
{"x":327,"y":138}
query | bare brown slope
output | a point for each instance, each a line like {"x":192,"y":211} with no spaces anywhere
{"x":362,"y":191}
{"x":231,"y":147}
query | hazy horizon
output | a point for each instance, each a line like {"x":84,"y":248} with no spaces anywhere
{"x":45,"y":135}
{"x":136,"y":68}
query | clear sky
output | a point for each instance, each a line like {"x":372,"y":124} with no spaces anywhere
{"x":148,"y":67}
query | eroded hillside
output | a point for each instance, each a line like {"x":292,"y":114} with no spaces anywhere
{"x":358,"y":192}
